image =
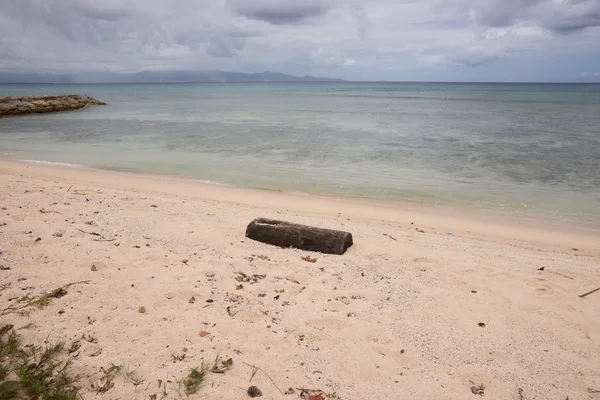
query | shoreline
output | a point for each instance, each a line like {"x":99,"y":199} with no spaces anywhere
{"x":456,"y":219}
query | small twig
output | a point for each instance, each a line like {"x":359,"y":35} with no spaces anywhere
{"x":44,"y":211}
{"x":390,"y":236}
{"x":69,"y":188}
{"x":255,"y":368}
{"x":90,"y":233}
{"x":590,"y":292}
{"x":103,"y":240}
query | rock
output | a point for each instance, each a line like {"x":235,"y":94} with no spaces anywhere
{"x":14,"y":105}
{"x":253,"y":391}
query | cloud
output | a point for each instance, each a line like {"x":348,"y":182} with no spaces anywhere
{"x":353,"y":39}
{"x":558,"y":16}
{"x":279,"y":12}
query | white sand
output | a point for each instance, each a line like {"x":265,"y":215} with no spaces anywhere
{"x":391,"y":319}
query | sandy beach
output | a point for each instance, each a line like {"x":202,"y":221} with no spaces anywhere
{"x":429,"y":303}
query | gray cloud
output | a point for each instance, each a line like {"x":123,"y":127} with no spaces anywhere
{"x":355,"y":39}
{"x":560,"y":17}
{"x":278,"y":12}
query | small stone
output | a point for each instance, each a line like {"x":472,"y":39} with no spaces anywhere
{"x":481,"y":325}
{"x":185,"y":261}
{"x":253,"y":391}
{"x":142,"y":310}
{"x":239,"y":287}
{"x":192,"y":300}
{"x":38,"y":239}
{"x":94,"y":268}
{"x":204,"y":333}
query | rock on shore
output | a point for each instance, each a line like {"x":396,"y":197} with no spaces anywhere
{"x":14,"y":105}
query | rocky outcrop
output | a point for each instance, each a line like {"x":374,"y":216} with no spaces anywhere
{"x":14,"y":105}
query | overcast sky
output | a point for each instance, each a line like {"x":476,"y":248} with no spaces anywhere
{"x":490,"y":40}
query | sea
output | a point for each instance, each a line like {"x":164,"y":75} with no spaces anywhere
{"x":526,"y":149}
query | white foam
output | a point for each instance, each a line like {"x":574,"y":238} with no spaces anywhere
{"x":53,"y":163}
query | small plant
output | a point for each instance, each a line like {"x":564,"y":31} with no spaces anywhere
{"x":195,"y":379}
{"x":132,"y":376}
{"x":33,"y":372}
{"x":24,"y":303}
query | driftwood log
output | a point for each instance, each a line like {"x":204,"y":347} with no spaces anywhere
{"x":285,"y":234}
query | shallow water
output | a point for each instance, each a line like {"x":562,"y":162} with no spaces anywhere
{"x":521,"y":148}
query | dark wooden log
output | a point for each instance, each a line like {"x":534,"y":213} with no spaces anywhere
{"x":285,"y":234}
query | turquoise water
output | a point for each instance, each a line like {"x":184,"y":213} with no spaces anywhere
{"x":522,"y":148}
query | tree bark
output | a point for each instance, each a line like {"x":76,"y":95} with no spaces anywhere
{"x":285,"y":234}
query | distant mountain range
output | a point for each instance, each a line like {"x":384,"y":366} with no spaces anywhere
{"x":159,"y":77}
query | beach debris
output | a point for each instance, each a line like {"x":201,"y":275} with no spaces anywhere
{"x":90,"y":223}
{"x":222,"y":366}
{"x":6,"y":328}
{"x":94,"y":268}
{"x":153,"y":205}
{"x":253,"y":391}
{"x":242,"y":277}
{"x":521,"y":394}
{"x":106,"y":381}
{"x":309,"y":259}
{"x":192,"y":300}
{"x":290,"y":391}
{"x":541,"y":269}
{"x":473,"y":291}
{"x":90,"y":233}
{"x":38,"y":239}
{"x":390,"y":236}
{"x":310,"y":394}
{"x":575,"y":249}
{"x":286,"y":234}
{"x":255,"y":370}
{"x":204,"y":333}
{"x":58,"y":293}
{"x":96,"y":352}
{"x":185,"y":261}
{"x":58,"y":234}
{"x":477,"y":389}
{"x":142,"y":310}
{"x":419,"y":230}
{"x":44,"y":211}
{"x":481,"y":325}
{"x":239,"y":287}
{"x":5,"y":268}
{"x":74,"y":346}
{"x":588,"y":293}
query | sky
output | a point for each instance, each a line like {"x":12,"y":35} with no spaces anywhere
{"x":399,"y":40}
